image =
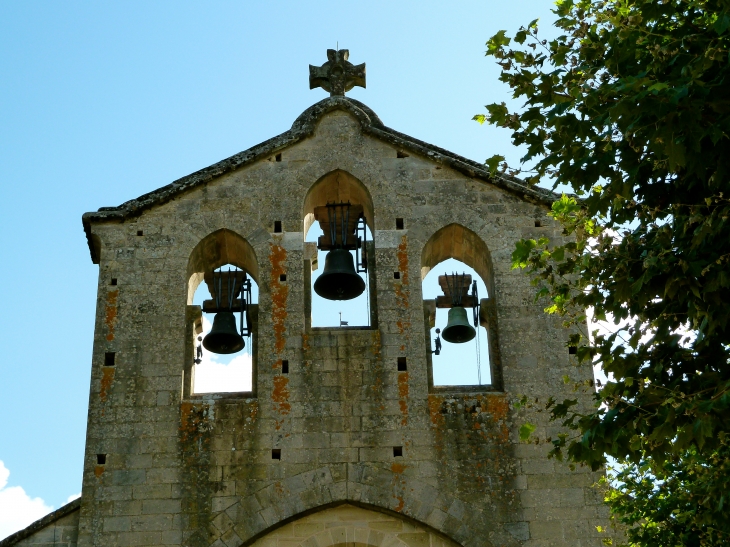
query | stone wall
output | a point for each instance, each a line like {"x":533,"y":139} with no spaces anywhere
{"x":199,"y":470}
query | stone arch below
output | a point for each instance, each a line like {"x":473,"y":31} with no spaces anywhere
{"x":335,"y":187}
{"x":217,"y":249}
{"x":348,"y":525}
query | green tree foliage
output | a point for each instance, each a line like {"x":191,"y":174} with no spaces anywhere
{"x":681,"y":502}
{"x":630,"y":107}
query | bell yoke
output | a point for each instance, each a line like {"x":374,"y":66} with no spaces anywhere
{"x":231,"y":293}
{"x":457,"y":299}
{"x":343,"y":225}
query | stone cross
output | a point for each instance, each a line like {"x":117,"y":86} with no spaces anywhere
{"x":337,"y":75}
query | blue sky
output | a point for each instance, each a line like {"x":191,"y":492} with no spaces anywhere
{"x":103,"y":101}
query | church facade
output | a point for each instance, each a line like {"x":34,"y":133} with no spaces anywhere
{"x":344,"y":438}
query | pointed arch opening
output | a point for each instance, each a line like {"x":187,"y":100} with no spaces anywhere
{"x":473,"y":365}
{"x":339,"y":187}
{"x":215,"y":374}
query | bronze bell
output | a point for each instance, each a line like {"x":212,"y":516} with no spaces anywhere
{"x":224,"y":336}
{"x":339,"y":280}
{"x":458,"y":330}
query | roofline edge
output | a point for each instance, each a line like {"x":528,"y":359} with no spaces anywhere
{"x":302,"y":128}
{"x":41,"y":523}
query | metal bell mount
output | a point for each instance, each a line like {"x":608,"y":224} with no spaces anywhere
{"x":226,"y":288}
{"x":343,"y":225}
{"x":456,"y":288}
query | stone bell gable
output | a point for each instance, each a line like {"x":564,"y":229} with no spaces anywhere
{"x":343,"y":438}
{"x":303,"y":129}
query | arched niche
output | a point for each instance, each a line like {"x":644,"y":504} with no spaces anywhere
{"x":348,"y":525}
{"x":339,"y":186}
{"x":335,"y":187}
{"x":456,"y":241}
{"x":461,"y":243}
{"x":215,"y":250}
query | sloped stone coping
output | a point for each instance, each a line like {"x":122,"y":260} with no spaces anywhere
{"x":41,"y":523}
{"x":302,"y":128}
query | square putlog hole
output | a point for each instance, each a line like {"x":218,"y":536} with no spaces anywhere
{"x":402,"y":367}
{"x":572,"y":350}
{"x":282,"y":277}
{"x":140,"y":232}
{"x":285,"y":367}
{"x":396,"y":275}
{"x":114,"y":281}
{"x":276,"y":454}
{"x":277,"y":226}
{"x":538,"y":224}
{"x":101,"y":459}
{"x":109,"y":359}
{"x":277,"y":157}
{"x":397,"y":451}
{"x":399,"y":224}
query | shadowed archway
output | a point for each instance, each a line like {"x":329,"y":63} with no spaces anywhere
{"x":348,"y":525}
{"x":217,"y":249}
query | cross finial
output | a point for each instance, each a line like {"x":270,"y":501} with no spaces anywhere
{"x":337,"y":75}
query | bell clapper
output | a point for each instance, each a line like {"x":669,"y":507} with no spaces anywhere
{"x":437,"y":343}
{"x":199,"y":352}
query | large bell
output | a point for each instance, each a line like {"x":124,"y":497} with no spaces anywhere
{"x":458,"y":330}
{"x":224,"y":336}
{"x":339,"y":280}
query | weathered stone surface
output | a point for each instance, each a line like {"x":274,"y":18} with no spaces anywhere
{"x":197,"y":470}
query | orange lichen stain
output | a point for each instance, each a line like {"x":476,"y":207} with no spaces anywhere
{"x":111,"y":313}
{"x":377,"y":344}
{"x":437,"y":422}
{"x":99,"y":471}
{"x":403,"y":396}
{"x":434,"y":410}
{"x":279,"y":488}
{"x":107,"y":377}
{"x":191,"y":418}
{"x":398,"y":484}
{"x":280,"y":396}
{"x":403,"y":259}
{"x":305,"y":342}
{"x":186,"y":410}
{"x":498,"y":406}
{"x":397,"y":468}
{"x":279,"y":293}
